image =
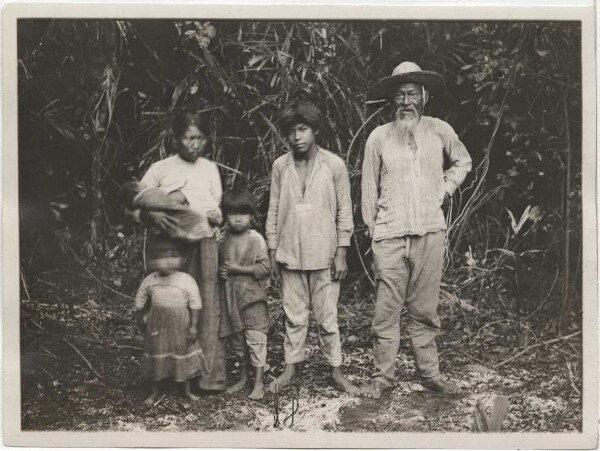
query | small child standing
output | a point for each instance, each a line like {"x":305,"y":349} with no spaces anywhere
{"x":245,"y":270}
{"x":172,"y":302}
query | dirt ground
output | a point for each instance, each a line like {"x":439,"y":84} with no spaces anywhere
{"x":80,"y":371}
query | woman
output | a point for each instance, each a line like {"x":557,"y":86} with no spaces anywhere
{"x":193,"y":180}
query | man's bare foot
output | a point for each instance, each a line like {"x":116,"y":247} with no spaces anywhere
{"x":374,"y":390}
{"x":239,"y":385}
{"x":258,"y":392}
{"x":285,"y":379}
{"x":341,"y":383}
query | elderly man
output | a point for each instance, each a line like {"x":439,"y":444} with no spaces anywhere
{"x":404,"y":186}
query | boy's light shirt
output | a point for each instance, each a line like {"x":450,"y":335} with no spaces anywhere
{"x":306,"y":228}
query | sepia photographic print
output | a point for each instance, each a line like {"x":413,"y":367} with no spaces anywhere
{"x":299,"y":226}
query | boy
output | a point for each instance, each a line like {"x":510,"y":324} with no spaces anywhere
{"x":308,"y":230}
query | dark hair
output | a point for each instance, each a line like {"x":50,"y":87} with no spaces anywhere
{"x":238,"y":200}
{"x":302,"y":112}
{"x":185,"y":119}
{"x":164,"y":246}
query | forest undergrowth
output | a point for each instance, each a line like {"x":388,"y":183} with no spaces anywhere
{"x":81,"y":355}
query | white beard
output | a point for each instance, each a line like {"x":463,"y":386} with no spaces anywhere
{"x":407,"y":125}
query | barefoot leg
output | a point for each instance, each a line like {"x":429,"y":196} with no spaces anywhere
{"x":341,"y":383}
{"x":154,"y":395}
{"x":286,"y":378}
{"x":188,"y":392}
{"x":258,"y":392}
{"x":242,"y":382}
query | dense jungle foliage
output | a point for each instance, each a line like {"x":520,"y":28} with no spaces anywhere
{"x":96,"y":98}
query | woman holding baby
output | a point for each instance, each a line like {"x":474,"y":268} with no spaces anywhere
{"x":194,"y":182}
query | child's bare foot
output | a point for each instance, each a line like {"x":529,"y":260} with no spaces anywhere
{"x":374,"y":389}
{"x":285,"y":379}
{"x":188,"y":392}
{"x":151,"y":399}
{"x":258,"y":392}
{"x":239,"y":385}
{"x":154,"y":396}
{"x":341,"y":383}
{"x":191,"y":396}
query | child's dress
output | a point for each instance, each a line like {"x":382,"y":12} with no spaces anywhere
{"x":244,"y":304}
{"x":167,"y":350}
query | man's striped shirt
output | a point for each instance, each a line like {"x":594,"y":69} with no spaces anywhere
{"x":403,"y":180}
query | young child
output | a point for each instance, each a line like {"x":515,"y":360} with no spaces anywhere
{"x":245,"y":270}
{"x":172,"y":301}
{"x":187,"y":224}
{"x":308,"y":229}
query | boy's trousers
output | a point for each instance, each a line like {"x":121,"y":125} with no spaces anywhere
{"x":300,"y":291}
{"x":253,"y":342}
{"x":408,"y":270}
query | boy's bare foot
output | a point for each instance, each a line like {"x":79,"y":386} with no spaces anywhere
{"x":285,"y":379}
{"x":374,"y":389}
{"x":341,"y":383}
{"x":258,"y":392}
{"x":239,"y":385}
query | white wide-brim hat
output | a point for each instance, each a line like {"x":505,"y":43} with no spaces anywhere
{"x":406,"y":72}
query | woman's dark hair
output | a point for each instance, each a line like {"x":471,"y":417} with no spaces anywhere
{"x":238,"y":200}
{"x":302,"y":112}
{"x":184,"y":119}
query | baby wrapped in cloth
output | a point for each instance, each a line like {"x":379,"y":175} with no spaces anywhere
{"x":190,"y":225}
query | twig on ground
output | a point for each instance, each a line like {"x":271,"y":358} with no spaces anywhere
{"x":49,"y":375}
{"x":101,"y":343}
{"x":159,"y":400}
{"x":571,"y":379}
{"x":25,"y":285}
{"x":91,"y":368}
{"x":574,"y":348}
{"x":49,"y":353}
{"x":37,"y":324}
{"x":87,"y":362}
{"x":562,"y":351}
{"x":535,"y":346}
{"x":475,"y":359}
{"x":492,"y":323}
{"x":50,"y":284}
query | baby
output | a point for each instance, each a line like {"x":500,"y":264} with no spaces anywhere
{"x":190,"y":225}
